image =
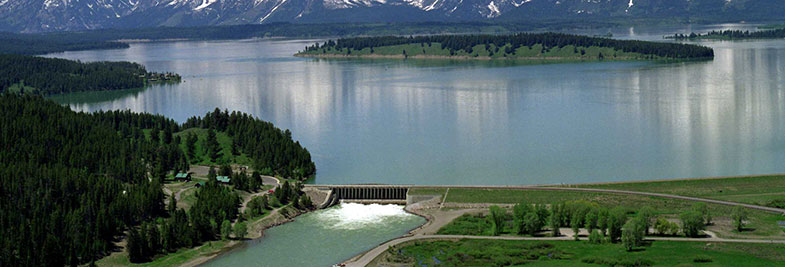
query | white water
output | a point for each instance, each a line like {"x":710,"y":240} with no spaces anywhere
{"x":324,"y":237}
{"x":352,"y":216}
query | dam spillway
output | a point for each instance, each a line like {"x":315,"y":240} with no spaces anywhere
{"x":386,"y":194}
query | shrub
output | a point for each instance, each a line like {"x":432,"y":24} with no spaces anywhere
{"x":777,"y":203}
{"x":496,"y":218}
{"x":664,"y":227}
{"x":702,"y":258}
{"x":614,"y":262}
{"x":595,"y":237}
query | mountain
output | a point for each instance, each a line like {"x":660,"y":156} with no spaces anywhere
{"x":59,"y":15}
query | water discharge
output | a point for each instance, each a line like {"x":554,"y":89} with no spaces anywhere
{"x":324,"y":237}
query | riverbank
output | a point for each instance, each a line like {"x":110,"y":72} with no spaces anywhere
{"x":256,"y":231}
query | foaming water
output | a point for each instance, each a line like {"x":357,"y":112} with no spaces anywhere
{"x":324,"y":237}
{"x":353,"y":216}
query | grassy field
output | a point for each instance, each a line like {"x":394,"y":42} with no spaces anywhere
{"x":762,"y":224}
{"x":534,"y":52}
{"x":469,"y":252}
{"x":758,"y":190}
{"x":201,"y":155}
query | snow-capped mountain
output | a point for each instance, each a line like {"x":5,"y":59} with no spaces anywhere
{"x":57,"y":15}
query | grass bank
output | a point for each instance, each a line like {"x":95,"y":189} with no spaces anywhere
{"x":759,"y":190}
{"x":469,"y":252}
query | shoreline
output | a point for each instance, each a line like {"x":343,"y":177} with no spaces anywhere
{"x":236,"y":244}
{"x":552,"y":59}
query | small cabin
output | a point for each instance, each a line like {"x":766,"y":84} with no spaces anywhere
{"x":223,"y":179}
{"x":183,"y":177}
{"x":199,"y":184}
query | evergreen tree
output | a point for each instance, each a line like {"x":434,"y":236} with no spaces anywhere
{"x":134,"y":247}
{"x":167,"y":135}
{"x":212,"y":146}
{"x":172,"y":205}
{"x":155,"y":135}
{"x":190,"y":144}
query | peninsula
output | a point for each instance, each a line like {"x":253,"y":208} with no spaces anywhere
{"x":521,"y":46}
{"x":51,"y":76}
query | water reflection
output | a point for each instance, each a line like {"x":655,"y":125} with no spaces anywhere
{"x":483,"y":122}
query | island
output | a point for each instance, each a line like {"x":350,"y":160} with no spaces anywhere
{"x":772,"y":32}
{"x":50,"y":76}
{"x":521,"y":46}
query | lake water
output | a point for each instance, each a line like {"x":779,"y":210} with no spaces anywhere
{"x":324,"y":237}
{"x":459,"y":122}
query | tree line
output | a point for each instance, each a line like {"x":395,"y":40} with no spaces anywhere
{"x":604,"y":224}
{"x":731,"y":34}
{"x":56,"y":76}
{"x":36,"y":44}
{"x":71,"y":183}
{"x":547,"y":40}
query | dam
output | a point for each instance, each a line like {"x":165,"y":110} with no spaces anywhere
{"x":366,"y":194}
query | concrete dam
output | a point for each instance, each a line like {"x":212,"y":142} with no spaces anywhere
{"x":384,"y":194}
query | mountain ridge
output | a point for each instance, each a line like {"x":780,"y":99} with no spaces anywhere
{"x":75,"y":15}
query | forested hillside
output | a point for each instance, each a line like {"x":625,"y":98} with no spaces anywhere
{"x":35,"y":44}
{"x":520,"y":45}
{"x":268,"y":146}
{"x":72,"y":183}
{"x":47,"y":76}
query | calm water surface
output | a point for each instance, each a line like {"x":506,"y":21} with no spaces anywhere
{"x":442,"y":122}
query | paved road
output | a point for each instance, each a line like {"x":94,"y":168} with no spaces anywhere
{"x":372,"y":254}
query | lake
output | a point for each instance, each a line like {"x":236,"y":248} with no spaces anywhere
{"x":481,"y":122}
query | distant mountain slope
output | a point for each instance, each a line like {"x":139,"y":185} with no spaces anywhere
{"x":58,"y":15}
